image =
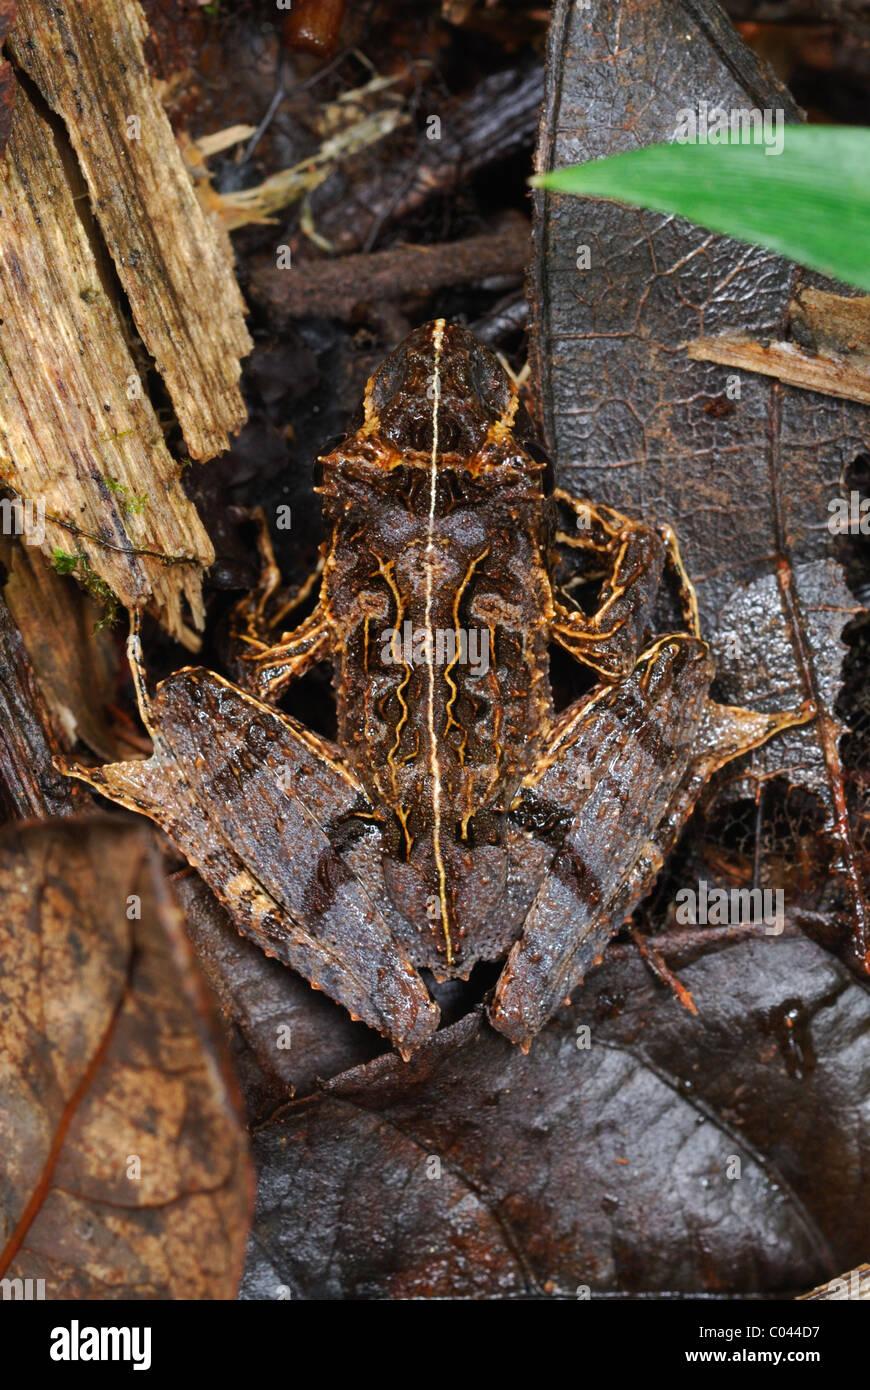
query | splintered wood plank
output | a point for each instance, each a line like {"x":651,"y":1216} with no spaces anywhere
{"x":789,"y":362}
{"x":175,"y":267}
{"x":831,"y":352}
{"x":78,"y":435}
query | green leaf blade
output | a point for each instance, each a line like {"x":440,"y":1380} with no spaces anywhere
{"x":809,"y":203}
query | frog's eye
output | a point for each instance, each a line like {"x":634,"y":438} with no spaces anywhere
{"x":548,"y":476}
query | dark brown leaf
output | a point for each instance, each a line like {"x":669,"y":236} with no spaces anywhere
{"x":635,"y":423}
{"x":724,"y":1152}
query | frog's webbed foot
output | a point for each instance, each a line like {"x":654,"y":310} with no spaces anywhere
{"x":258,"y":804}
{"x":634,"y":557}
{"x":610,"y":796}
{"x":264,"y":657}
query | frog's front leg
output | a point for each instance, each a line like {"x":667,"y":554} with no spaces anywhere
{"x":265,"y":671}
{"x":611,"y":794}
{"x":635,"y":556}
{"x":264,"y":658}
{"x":261,"y":807}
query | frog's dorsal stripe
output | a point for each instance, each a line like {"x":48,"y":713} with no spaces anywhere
{"x":438,"y":328}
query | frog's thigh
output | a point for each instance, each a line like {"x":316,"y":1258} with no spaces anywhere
{"x":601,"y":791}
{"x":250,"y":797}
{"x":644,"y":786}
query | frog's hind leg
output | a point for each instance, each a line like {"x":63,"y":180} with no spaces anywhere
{"x":610,"y":796}
{"x":260,"y":806}
{"x":635,"y":556}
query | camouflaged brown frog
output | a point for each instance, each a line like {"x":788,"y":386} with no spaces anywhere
{"x":457,"y":817}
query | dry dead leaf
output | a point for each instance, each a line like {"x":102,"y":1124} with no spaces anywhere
{"x":126,"y":1172}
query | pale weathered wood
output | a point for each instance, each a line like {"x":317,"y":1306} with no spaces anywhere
{"x":855,"y":1283}
{"x":837,"y":323}
{"x":175,"y":268}
{"x":78,"y":434}
{"x":813,"y":371}
{"x":831,"y":356}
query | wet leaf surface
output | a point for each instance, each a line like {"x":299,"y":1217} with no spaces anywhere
{"x":125,"y":1171}
{"x":475,"y":1172}
{"x":287,"y":1036}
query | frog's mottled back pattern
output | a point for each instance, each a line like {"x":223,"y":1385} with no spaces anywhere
{"x":437,"y":592}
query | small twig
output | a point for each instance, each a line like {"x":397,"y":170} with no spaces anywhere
{"x":675,"y":943}
{"x":340,"y":288}
{"x":258,"y":134}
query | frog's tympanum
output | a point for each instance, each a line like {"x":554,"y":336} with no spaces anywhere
{"x":457,"y":817}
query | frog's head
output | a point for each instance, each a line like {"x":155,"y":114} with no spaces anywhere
{"x":440,"y":389}
{"x":441,"y":397}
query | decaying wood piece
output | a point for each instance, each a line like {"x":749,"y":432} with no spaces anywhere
{"x":75,"y":660}
{"x":816,"y":371}
{"x":30,"y":785}
{"x":831,"y":353}
{"x":7,"y":77}
{"x":834,"y":322}
{"x":78,"y":435}
{"x":175,"y":269}
{"x":855,"y":1283}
